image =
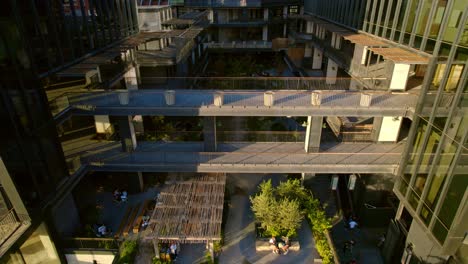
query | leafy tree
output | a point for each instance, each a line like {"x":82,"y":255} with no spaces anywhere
{"x":277,"y":213}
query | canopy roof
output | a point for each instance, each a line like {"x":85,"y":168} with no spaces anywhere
{"x":189,"y":211}
{"x":364,"y":40}
{"x":399,"y":55}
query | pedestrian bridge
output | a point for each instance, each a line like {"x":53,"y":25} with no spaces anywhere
{"x":236,"y":103}
{"x":255,"y":157}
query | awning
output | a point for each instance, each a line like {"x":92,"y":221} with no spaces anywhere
{"x":399,"y":55}
{"x":364,"y":40}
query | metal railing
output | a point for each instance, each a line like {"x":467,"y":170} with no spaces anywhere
{"x":10,"y":222}
{"x":89,"y":101}
{"x":239,"y":45}
{"x":223,"y":3}
{"x":260,"y":136}
{"x":90,"y":243}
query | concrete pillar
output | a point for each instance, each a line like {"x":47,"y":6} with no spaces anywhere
{"x":161,"y":44}
{"x":285,"y":30}
{"x":132,"y":78}
{"x":199,"y":51}
{"x":127,"y":133}
{"x":193,"y":57}
{"x":317,"y":59}
{"x":265,"y":33}
{"x":332,"y":72}
{"x":313,"y":133}
{"x":389,"y":128}
{"x":310,"y":27}
{"x":210,"y":16}
{"x":285,"y":11}
{"x":306,"y":178}
{"x":399,"y":76}
{"x":376,"y":125}
{"x":336,"y":41}
{"x":265,"y":14}
{"x":209,"y":133}
{"x":102,"y":124}
{"x":140,"y":181}
{"x":308,"y":50}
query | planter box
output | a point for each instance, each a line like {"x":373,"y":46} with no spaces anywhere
{"x":269,"y":98}
{"x":124,"y":97}
{"x":262,"y":245}
{"x":218,"y":99}
{"x":170,"y":97}
{"x":366,"y":99}
{"x":316,"y":98}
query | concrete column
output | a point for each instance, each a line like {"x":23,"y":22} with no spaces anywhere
{"x":265,"y":14}
{"x":399,"y":76}
{"x":332,"y":72}
{"x":317,"y":59}
{"x":140,"y":181}
{"x":376,"y":125}
{"x":161,"y":44}
{"x":389,"y":128}
{"x":285,"y":29}
{"x":209,"y":133}
{"x":313,"y":133}
{"x":285,"y":11}
{"x":306,"y":178}
{"x":132,"y":78}
{"x":336,"y":40}
{"x":359,"y":57}
{"x":127,"y":133}
{"x":210,"y":16}
{"x":193,"y":57}
{"x":199,"y":51}
{"x":102,"y":124}
{"x":308,"y":50}
{"x":310,"y":27}
{"x":265,"y":33}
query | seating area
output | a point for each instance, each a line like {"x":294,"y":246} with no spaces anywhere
{"x":133,"y":219}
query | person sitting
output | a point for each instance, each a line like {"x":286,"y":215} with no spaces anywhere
{"x":117,"y":195}
{"x":352,"y":224}
{"x":102,"y":230}
{"x":285,"y":245}
{"x":124,"y":196}
{"x":145,"y":223}
{"x":273,"y":245}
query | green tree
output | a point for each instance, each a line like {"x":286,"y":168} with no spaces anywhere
{"x":279,"y":215}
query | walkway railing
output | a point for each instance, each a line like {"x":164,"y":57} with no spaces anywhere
{"x":240,"y":44}
{"x":10,"y":222}
{"x":90,"y":243}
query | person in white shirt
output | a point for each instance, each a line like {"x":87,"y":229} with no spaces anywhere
{"x":102,"y":230}
{"x":352,"y":224}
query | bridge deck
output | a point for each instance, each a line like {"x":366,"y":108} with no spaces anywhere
{"x":238,"y":157}
{"x":237,"y":103}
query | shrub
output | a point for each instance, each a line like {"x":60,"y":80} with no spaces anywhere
{"x":128,"y":252}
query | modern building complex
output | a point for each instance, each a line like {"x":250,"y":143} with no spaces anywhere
{"x":366,"y":100}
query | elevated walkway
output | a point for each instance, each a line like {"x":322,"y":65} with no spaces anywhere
{"x":236,"y":103}
{"x":274,"y":157}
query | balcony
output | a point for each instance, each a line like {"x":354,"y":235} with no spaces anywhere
{"x":236,"y":103}
{"x":223,"y":3}
{"x":12,"y":226}
{"x":260,"y":157}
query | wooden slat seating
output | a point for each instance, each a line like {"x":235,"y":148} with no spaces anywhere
{"x":139,"y":219}
{"x":128,"y":226}
{"x":123,"y":222}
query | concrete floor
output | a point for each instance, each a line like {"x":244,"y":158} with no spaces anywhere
{"x":239,"y":246}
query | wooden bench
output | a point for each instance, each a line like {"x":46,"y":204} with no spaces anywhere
{"x":128,"y":226}
{"x":139,"y":220}
{"x":123,"y":222}
{"x":264,"y":245}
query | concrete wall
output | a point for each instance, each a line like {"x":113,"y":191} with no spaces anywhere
{"x":88,"y":257}
{"x":66,"y":218}
{"x":424,"y":247}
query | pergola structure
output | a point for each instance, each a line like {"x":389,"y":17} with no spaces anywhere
{"x":189,"y":211}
